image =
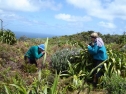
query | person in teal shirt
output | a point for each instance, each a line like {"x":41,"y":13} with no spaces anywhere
{"x":98,"y":50}
{"x":34,"y":53}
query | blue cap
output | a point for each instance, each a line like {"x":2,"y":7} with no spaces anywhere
{"x":41,"y":46}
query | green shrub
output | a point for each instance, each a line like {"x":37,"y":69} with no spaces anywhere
{"x":59,"y":60}
{"x":7,"y":36}
{"x":123,"y":49}
{"x":115,"y":84}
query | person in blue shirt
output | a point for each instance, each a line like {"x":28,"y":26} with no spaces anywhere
{"x":34,"y":53}
{"x":98,"y":50}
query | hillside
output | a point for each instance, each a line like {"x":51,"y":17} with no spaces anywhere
{"x":16,"y":76}
{"x":85,"y":37}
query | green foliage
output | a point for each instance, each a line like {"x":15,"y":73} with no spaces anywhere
{"x":83,"y":60}
{"x":88,"y":75}
{"x":30,"y":68}
{"x":53,"y":89}
{"x":123,"y":49}
{"x":122,"y":39}
{"x":77,"y":62}
{"x":8,"y":37}
{"x":115,"y":84}
{"x":59,"y":60}
{"x":116,"y":62}
{"x":39,"y":86}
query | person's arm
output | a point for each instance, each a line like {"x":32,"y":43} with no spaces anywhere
{"x":93,"y":50}
{"x":36,"y":54}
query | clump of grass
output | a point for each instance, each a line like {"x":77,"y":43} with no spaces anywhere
{"x":114,"y":84}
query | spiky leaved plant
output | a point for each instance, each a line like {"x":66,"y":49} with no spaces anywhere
{"x":7,"y":36}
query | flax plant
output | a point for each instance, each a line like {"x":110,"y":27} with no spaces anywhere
{"x":87,"y":76}
{"x":46,"y":44}
{"x":7,"y":90}
{"x":53,"y":89}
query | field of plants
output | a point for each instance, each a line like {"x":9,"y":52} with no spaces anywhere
{"x":66,"y":68}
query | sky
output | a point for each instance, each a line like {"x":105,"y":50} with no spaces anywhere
{"x":64,"y":17}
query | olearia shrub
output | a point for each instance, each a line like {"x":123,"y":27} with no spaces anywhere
{"x":59,"y":60}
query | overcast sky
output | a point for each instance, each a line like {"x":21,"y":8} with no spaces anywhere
{"x":64,"y":17}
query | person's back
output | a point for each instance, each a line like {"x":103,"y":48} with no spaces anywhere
{"x":98,"y":52}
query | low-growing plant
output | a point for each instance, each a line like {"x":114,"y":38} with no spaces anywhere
{"x":114,"y":84}
{"x":29,"y":68}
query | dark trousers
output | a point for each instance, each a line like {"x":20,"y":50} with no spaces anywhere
{"x":96,"y":63}
{"x":29,"y":60}
{"x":96,"y":73}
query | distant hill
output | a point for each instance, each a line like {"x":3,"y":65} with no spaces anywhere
{"x":83,"y":36}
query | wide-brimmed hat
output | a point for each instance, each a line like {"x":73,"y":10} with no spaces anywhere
{"x":94,"y":35}
{"x":41,"y":46}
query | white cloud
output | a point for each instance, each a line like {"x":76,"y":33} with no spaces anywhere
{"x":10,"y":18}
{"x":107,"y":25}
{"x":70,"y":18}
{"x":8,"y":8}
{"x":6,"y":16}
{"x":87,"y":4}
{"x":20,"y":5}
{"x":105,"y":9}
{"x":28,"y":5}
{"x":49,"y":4}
